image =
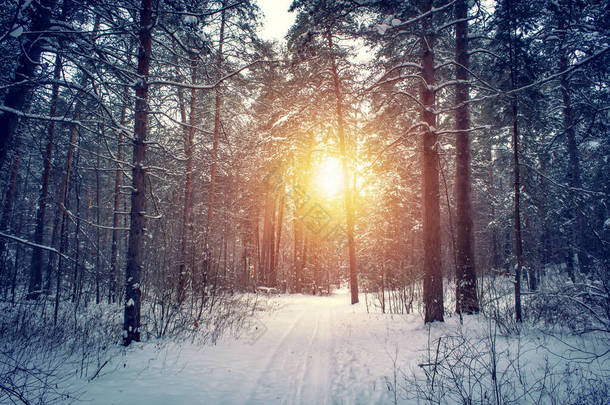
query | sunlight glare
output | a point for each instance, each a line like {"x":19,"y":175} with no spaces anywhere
{"x":329,"y":177}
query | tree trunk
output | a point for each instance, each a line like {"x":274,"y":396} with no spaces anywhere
{"x":517,"y":180}
{"x":35,"y":282}
{"x":20,"y":223}
{"x":466,"y":279}
{"x":7,"y":212}
{"x":433,"y":275}
{"x":217,"y":108}
{"x":131,"y":324}
{"x":76,"y":267}
{"x":98,"y":209}
{"x":257,"y":251}
{"x":495,"y":256}
{"x":295,"y":255}
{"x":264,"y":267}
{"x":271,"y":244}
{"x":577,"y":246}
{"x":278,"y":239}
{"x":63,"y":225}
{"x":189,"y":134}
{"x":517,"y":215}
{"x":23,"y":79}
{"x":347,"y":192}
{"x":114,"y":248}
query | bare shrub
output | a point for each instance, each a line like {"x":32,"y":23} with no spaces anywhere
{"x":38,"y":356}
{"x":464,"y":368}
{"x":582,"y":307}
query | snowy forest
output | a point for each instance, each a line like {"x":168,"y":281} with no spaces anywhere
{"x":391,"y":202}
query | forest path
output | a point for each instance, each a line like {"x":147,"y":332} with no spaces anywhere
{"x":303,"y":350}
{"x":297,"y":349}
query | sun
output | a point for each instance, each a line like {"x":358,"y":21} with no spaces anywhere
{"x":328,"y":177}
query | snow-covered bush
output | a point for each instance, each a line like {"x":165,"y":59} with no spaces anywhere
{"x":470,"y":366}
{"x":37,"y":355}
{"x":582,"y":306}
{"x":221,"y":313}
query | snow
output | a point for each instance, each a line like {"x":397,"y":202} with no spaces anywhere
{"x":313,"y":350}
{"x":593,"y":145}
{"x":189,"y":19}
{"x":281,"y":120}
{"x":607,"y":223}
{"x":382,"y":28}
{"x":16,"y":33}
{"x":299,"y":350}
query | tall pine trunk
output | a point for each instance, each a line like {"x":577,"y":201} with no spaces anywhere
{"x":433,"y":274}
{"x":63,"y":223}
{"x":217,"y":110}
{"x":466,"y":279}
{"x":131,"y":324}
{"x":189,"y":134}
{"x":516,"y":171}
{"x":577,"y":246}
{"x":114,"y":245}
{"x":347,"y":192}
{"x":35,"y":281}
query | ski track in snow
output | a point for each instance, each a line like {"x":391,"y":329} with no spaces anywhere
{"x":299,"y":369}
{"x":316,"y":350}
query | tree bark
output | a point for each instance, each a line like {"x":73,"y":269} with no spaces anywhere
{"x":516,"y":172}
{"x":189,"y":134}
{"x":517,"y":214}
{"x":271,"y":244}
{"x":577,"y":246}
{"x":217,"y":108}
{"x":76,"y":267}
{"x":23,"y":79}
{"x":63,"y":225}
{"x":433,"y":274}
{"x":20,"y":223}
{"x":466,"y":279}
{"x":278,"y":238}
{"x":131,"y":324}
{"x":35,"y":281}
{"x":347,"y":192}
{"x":7,"y":211}
{"x":114,"y":247}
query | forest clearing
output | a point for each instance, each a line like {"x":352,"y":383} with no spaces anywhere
{"x":304,"y":202}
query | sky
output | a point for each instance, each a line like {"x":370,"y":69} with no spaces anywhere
{"x":277,"y":18}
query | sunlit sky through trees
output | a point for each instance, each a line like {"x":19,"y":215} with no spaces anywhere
{"x":277,"y":19}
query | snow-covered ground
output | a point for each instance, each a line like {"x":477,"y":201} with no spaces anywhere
{"x":301,"y":350}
